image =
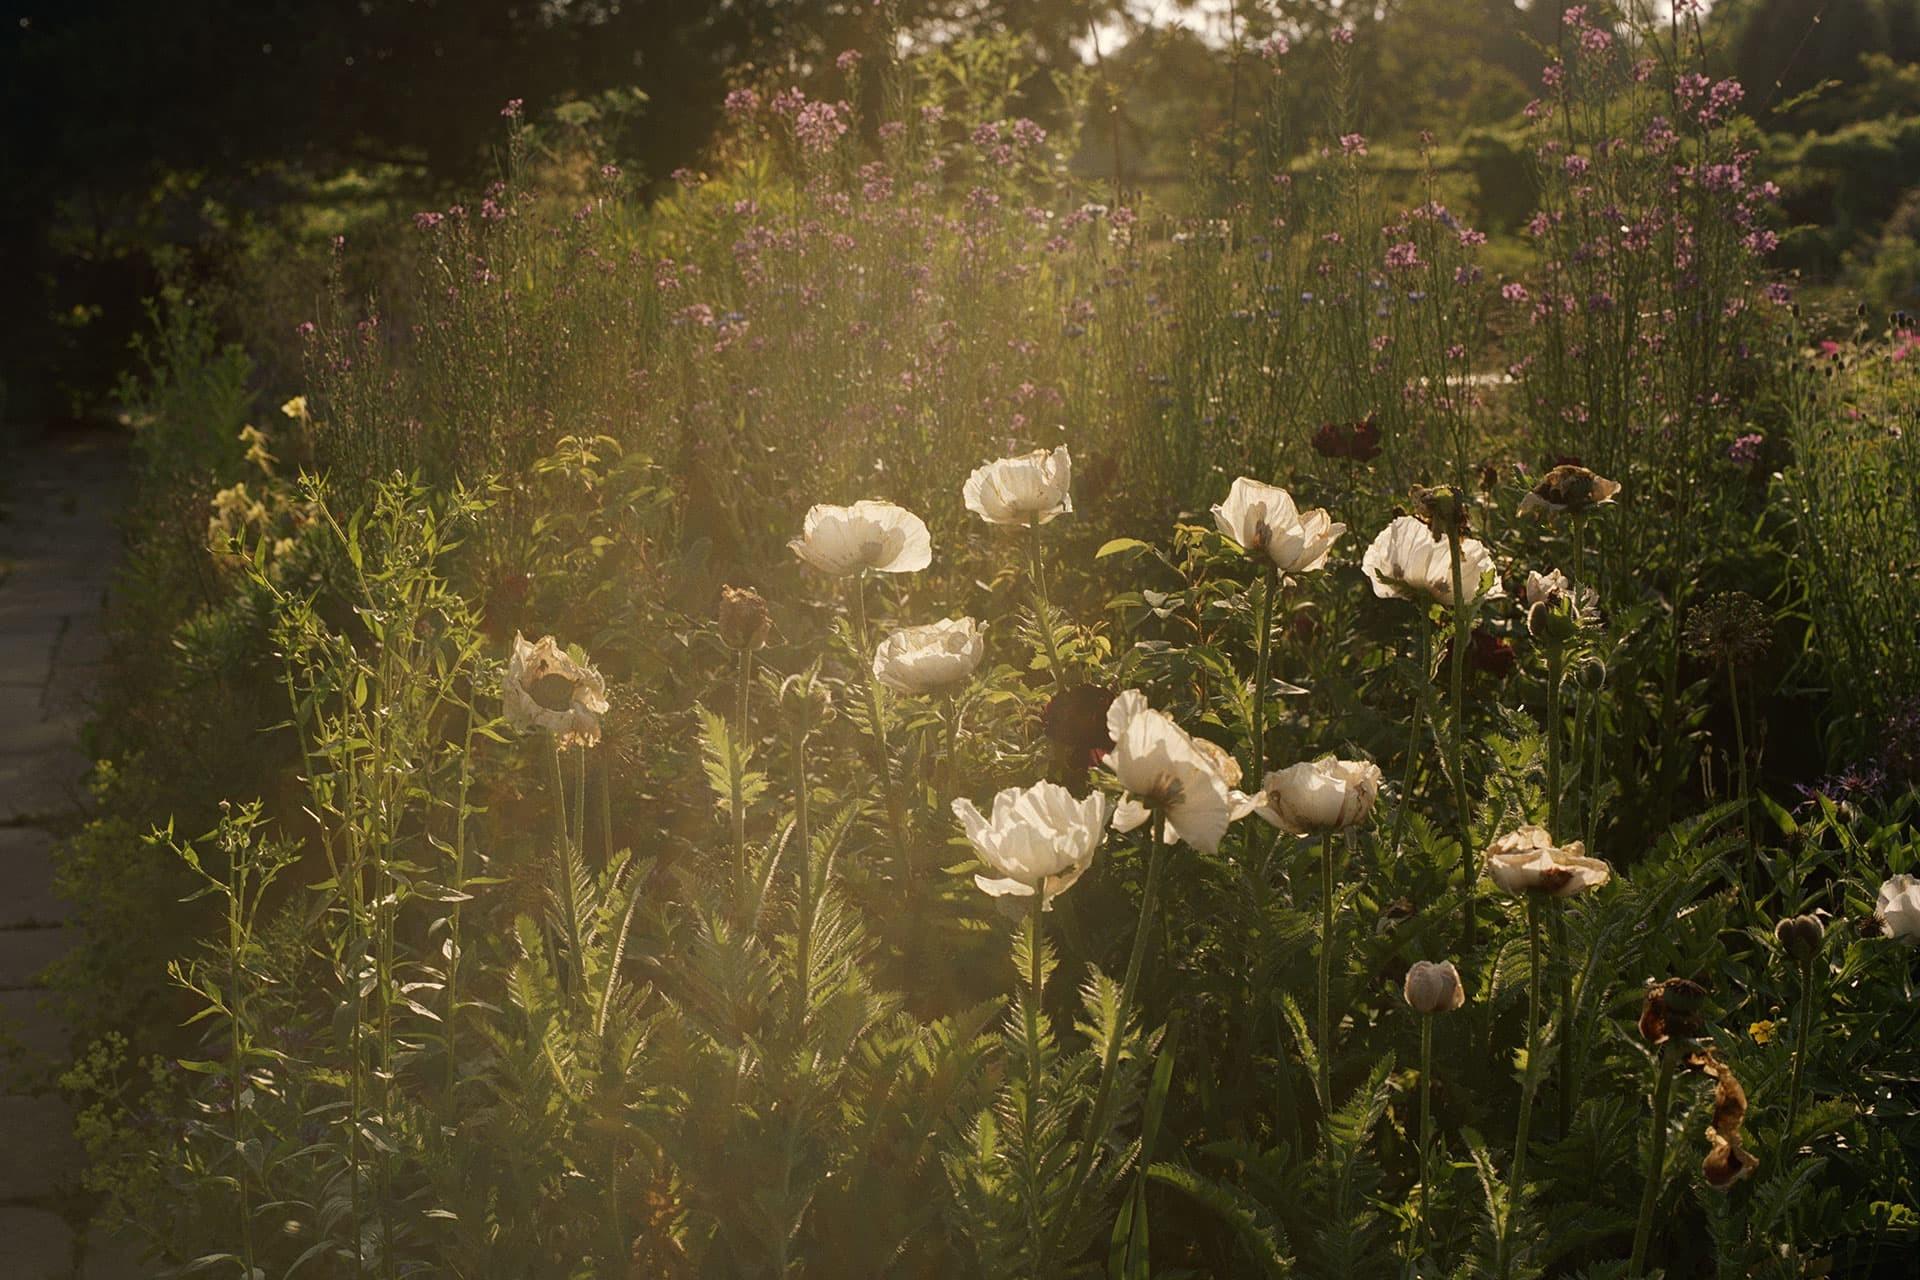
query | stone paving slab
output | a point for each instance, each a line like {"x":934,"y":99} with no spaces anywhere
{"x":39,"y":1244}
{"x":26,"y":867}
{"x":24,"y":953}
{"x":58,"y":548}
{"x":36,"y":786}
{"x":111,"y":1256}
{"x":40,"y":1158}
{"x":30,"y":1023}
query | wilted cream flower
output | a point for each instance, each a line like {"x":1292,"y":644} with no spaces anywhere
{"x":1434,"y":988}
{"x":1527,"y":861}
{"x":1899,"y":908}
{"x":1570,"y":489}
{"x":931,"y":658}
{"x":547,"y":689}
{"x":872,"y":535}
{"x":1321,"y":795}
{"x":1263,"y":521}
{"x":1545,"y":588}
{"x":1410,"y":561}
{"x":1165,"y":770}
{"x":1028,"y":489}
{"x":1039,"y":839}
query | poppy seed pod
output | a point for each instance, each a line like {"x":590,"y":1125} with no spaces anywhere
{"x":1434,"y":988}
{"x":743,"y":619}
{"x":1800,"y":937}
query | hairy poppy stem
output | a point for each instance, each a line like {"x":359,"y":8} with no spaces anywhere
{"x":1270,"y":587}
{"x":896,"y":813}
{"x":1656,"y":1159}
{"x":1043,"y":609}
{"x":1424,"y":1231}
{"x":1103,"y":1093}
{"x":1529,"y":1083}
{"x":1457,"y":743}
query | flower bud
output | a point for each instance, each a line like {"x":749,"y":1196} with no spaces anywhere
{"x":1800,"y":937}
{"x":1434,"y":988}
{"x":1442,"y":507}
{"x":805,"y":701}
{"x":743,"y":619}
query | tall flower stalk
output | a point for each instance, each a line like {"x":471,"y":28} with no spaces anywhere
{"x":1430,"y":989}
{"x":1529,"y":1083}
{"x":877,"y":728}
{"x":1457,"y":739}
{"x":1110,"y":1057}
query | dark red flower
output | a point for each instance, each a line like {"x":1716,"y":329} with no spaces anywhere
{"x":1357,"y":441}
{"x":1491,"y":654}
{"x":1075,"y":721}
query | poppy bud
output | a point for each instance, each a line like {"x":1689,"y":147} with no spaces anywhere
{"x":1800,"y":937}
{"x":1434,"y":988}
{"x":1443,"y":508}
{"x":805,"y":700}
{"x":743,"y":619}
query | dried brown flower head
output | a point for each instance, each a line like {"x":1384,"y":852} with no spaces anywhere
{"x":1674,"y":1010}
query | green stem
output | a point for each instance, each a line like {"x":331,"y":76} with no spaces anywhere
{"x":1323,"y":1009}
{"x":1740,"y":769}
{"x":1421,"y":692}
{"x":1457,"y":748}
{"x":1270,"y":587}
{"x":952,"y":718}
{"x":1032,"y":1011}
{"x":1555,"y":664}
{"x":737,"y":770}
{"x":1425,"y":1230}
{"x":564,"y":870}
{"x":1802,"y":1041}
{"x":1043,"y":609}
{"x":1563,"y":963}
{"x":1103,"y":1091}
{"x":896,"y":813}
{"x":802,"y":830}
{"x":1656,"y":1158}
{"x":1529,"y":1082}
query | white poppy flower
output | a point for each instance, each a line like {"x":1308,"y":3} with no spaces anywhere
{"x":1410,"y":561}
{"x":546,"y":689}
{"x":872,"y":535}
{"x":1263,"y":521}
{"x":1527,"y":861}
{"x":1029,"y":489}
{"x":1164,"y":770}
{"x":1899,"y":908}
{"x":1039,"y":839}
{"x":1321,"y":795}
{"x":1544,"y":588}
{"x":930,"y":659}
{"x":1126,"y":704}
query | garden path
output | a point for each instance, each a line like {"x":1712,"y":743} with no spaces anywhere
{"x":58,"y":546}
